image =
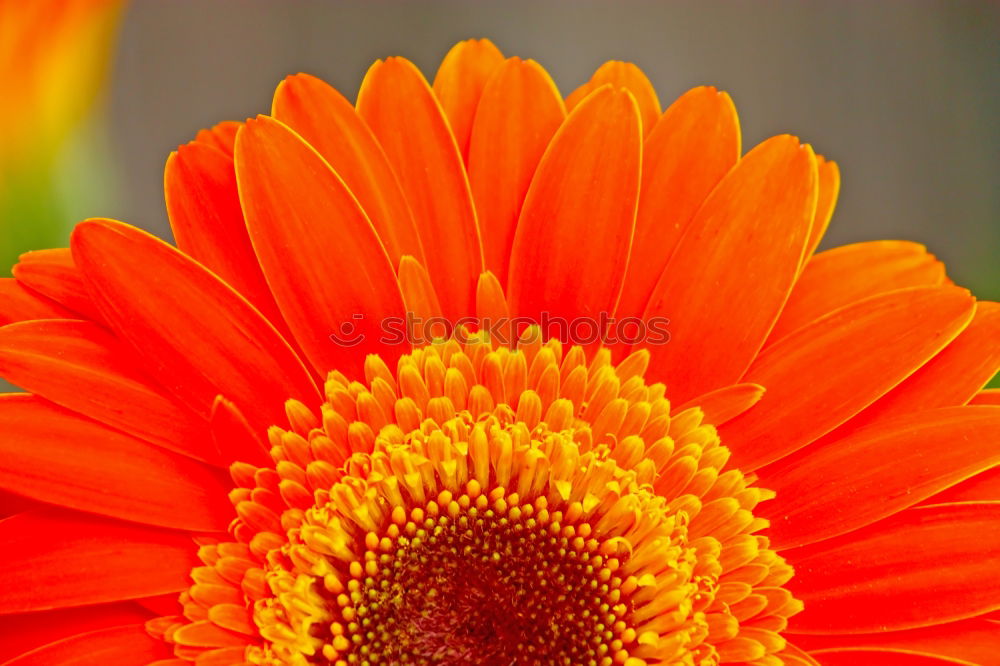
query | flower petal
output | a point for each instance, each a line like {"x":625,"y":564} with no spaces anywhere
{"x":233,"y":436}
{"x":492,"y":310}
{"x":424,"y":320}
{"x":329,"y":123}
{"x":626,"y":75}
{"x":84,"y":368}
{"x":795,"y":656}
{"x":720,"y":307}
{"x":27,"y":631}
{"x":205,"y":634}
{"x":922,"y":567}
{"x":18,"y":303}
{"x":986,"y":397}
{"x":198,"y":336}
{"x":12,"y":503}
{"x":854,"y":657}
{"x":693,"y":145}
{"x":816,"y":378}
{"x":850,"y":273}
{"x":831,"y":489}
{"x":163,"y":604}
{"x":589,"y":172}
{"x":52,"y":455}
{"x":519,"y":112}
{"x":579,"y":94}
{"x":227,"y":656}
{"x":976,"y":640}
{"x":952,"y":377}
{"x":203,"y":205}
{"x":320,"y":253}
{"x":829,"y":189}
{"x":54,"y":558}
{"x":418,"y":293}
{"x":53,"y":274}
{"x":726,"y":403}
{"x":401,"y":110}
{"x":983,"y":487}
{"x":127,"y":645}
{"x":222,"y":136}
{"x":460,"y":81}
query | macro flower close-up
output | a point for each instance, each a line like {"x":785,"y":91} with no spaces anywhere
{"x":472,"y":371}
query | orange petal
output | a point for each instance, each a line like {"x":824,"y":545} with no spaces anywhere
{"x":21,"y":633}
{"x":54,"y":456}
{"x":418,"y":294}
{"x":876,"y":472}
{"x":492,"y":311}
{"x":725,"y":403}
{"x":829,"y":189}
{"x":520,"y":111}
{"x":850,"y":273}
{"x":986,"y":397}
{"x":951,"y":378}
{"x":162,"y":604}
{"x":325,"y":119}
{"x":578,"y":95}
{"x":321,"y":255}
{"x":731,"y":271}
{"x":204,"y":208}
{"x":924,"y":566}
{"x":217,"y":657}
{"x":83,"y":367}
{"x":694,"y":144}
{"x":623,"y":75}
{"x":233,"y":436}
{"x":198,"y":336}
{"x":221,"y":136}
{"x":401,"y":110}
{"x":460,"y":81}
{"x":424,"y":320}
{"x":205,"y":634}
{"x":856,"y":657}
{"x":18,"y":303}
{"x":128,"y":645}
{"x":795,"y":656}
{"x":983,"y":487}
{"x":53,"y":274}
{"x":12,"y":503}
{"x":826,"y":372}
{"x":975,"y":641}
{"x":234,"y":617}
{"x":589,"y":172}
{"x":54,"y":558}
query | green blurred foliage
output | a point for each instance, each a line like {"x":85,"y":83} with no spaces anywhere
{"x":31,"y":214}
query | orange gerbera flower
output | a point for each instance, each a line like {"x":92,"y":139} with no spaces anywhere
{"x":380,"y":320}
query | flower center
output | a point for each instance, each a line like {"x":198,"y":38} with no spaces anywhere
{"x":485,"y":506}
{"x":486,"y":543}
{"x":487,"y":583}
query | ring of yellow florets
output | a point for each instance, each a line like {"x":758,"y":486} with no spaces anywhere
{"x":488,"y":506}
{"x":489,"y":544}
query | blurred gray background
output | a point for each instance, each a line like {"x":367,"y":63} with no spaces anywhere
{"x":904,"y":95}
